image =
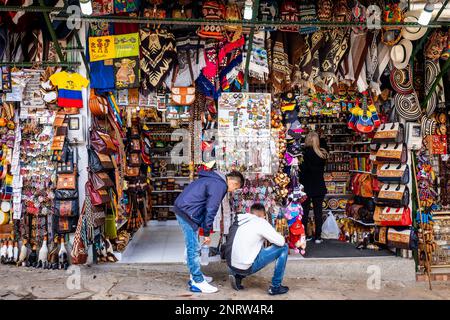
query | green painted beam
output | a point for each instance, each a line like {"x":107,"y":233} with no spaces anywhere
{"x":444,"y":70}
{"x":52,"y":32}
{"x":39,"y":64}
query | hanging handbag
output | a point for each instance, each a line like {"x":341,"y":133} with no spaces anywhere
{"x":101,"y":180}
{"x":66,"y":208}
{"x":98,"y":215}
{"x":99,"y":161}
{"x":392,"y":195}
{"x":393,"y":217}
{"x":380,"y":235}
{"x":389,"y":133}
{"x":402,"y":239}
{"x":132,"y":171}
{"x":66,"y":194}
{"x":134,"y":159}
{"x":79,"y":253}
{"x":98,"y":197}
{"x":98,"y":105}
{"x":100,"y":141}
{"x":67,"y":181}
{"x":393,"y":173}
{"x":135,"y":145}
{"x":183,"y":96}
{"x":66,"y":166}
{"x":392,"y":153}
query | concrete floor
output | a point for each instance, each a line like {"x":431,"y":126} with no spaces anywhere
{"x":169,"y":281}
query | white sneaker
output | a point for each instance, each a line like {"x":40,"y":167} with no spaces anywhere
{"x":206,"y":278}
{"x":203,"y":287}
{"x":318,"y":241}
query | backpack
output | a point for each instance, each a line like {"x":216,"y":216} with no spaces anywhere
{"x":289,"y":13}
{"x":229,"y":247}
{"x":212,"y":10}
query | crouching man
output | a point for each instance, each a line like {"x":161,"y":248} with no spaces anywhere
{"x":244,"y":252}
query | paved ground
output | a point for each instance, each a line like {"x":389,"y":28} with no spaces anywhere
{"x":121,"y":281}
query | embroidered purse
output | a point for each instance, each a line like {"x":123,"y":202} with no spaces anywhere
{"x":67,"y":181}
{"x":183,"y":96}
{"x":393,"y":173}
{"x":392,"y":153}
{"x":132,"y":171}
{"x":392,"y":216}
{"x":390,"y":133}
{"x":392,"y":195}
{"x":66,"y":208}
{"x":289,"y":13}
{"x":402,"y":239}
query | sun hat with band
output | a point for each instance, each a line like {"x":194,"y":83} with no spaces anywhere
{"x":407,"y":106}
{"x":413,"y":32}
{"x":401,"y":53}
{"x":401,"y":80}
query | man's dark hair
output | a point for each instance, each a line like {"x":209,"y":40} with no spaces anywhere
{"x":257,"y":207}
{"x":237,"y":176}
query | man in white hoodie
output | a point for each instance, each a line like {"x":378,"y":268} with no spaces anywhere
{"x":244,"y":252}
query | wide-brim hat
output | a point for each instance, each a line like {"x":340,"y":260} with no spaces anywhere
{"x":401,"y":80}
{"x":401,"y":53}
{"x":407,"y":106}
{"x":413,"y":32}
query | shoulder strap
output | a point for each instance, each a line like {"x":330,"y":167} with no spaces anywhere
{"x":188,"y":57}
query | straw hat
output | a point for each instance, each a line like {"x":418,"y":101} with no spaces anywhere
{"x":401,"y":53}
{"x":413,"y":33}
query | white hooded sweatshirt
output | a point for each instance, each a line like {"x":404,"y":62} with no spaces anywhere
{"x":249,"y":240}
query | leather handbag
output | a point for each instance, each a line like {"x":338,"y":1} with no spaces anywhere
{"x":66,"y":208}
{"x":66,"y":181}
{"x":101,"y":180}
{"x":393,"y":217}
{"x":66,"y":194}
{"x":393,"y":173}
{"x":184,"y":96}
{"x":380,"y":235}
{"x":402,"y":238}
{"x":392,"y":195}
{"x":390,"y":133}
{"x":98,"y":105}
{"x":132,"y":171}
{"x":99,"y":161}
{"x":67,"y":166}
{"x":98,"y":215}
{"x":392,"y":153}
{"x":98,"y":197}
{"x":135,"y":145}
{"x":102,"y":142}
{"x":134,"y":159}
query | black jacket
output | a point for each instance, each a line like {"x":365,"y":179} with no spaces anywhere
{"x":311,"y":173}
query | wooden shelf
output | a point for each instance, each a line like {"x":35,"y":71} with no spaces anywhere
{"x":163,"y":191}
{"x":174,"y":177}
{"x":363,"y":223}
{"x":360,"y":171}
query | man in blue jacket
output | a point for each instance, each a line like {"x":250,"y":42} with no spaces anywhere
{"x":196,"y":207}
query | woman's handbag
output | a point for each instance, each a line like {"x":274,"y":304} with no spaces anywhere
{"x":212,"y":10}
{"x":392,"y":195}
{"x":132,"y":171}
{"x":66,"y":194}
{"x":66,"y":208}
{"x":66,"y":181}
{"x":98,"y":197}
{"x":380,"y":235}
{"x":66,"y":166}
{"x":402,"y":239}
{"x":102,"y":142}
{"x":389,"y":133}
{"x":98,"y":104}
{"x":98,"y":215}
{"x":183,"y":96}
{"x":135,"y":145}
{"x":393,"y":173}
{"x":101,"y":180}
{"x":99,"y":161}
{"x":134,"y":159}
{"x":392,"y":217}
{"x":79,"y":253}
{"x":392,"y":153}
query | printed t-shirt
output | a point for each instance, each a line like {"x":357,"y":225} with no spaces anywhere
{"x":69,"y":88}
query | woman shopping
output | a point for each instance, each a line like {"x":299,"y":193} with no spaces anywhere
{"x":311,"y":176}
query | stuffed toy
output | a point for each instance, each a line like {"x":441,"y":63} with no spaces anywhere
{"x":297,"y":236}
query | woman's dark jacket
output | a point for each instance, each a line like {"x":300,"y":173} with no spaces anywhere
{"x":311,"y":173}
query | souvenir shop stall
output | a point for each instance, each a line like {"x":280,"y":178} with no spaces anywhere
{"x":103,"y":125}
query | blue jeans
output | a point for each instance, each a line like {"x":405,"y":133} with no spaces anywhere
{"x":266,"y":256}
{"x":193,"y":250}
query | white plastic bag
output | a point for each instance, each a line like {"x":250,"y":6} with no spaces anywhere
{"x":330,"y":229}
